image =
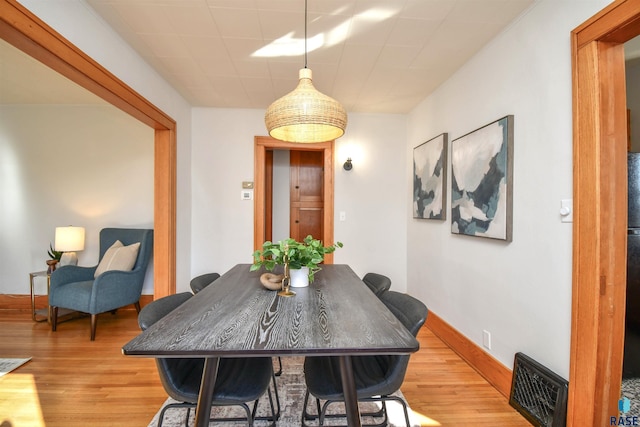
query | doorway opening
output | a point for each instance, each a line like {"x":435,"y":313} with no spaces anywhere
{"x":313,"y":209}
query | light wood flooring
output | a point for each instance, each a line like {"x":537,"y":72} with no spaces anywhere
{"x":72,"y":381}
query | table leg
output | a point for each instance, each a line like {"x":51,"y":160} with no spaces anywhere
{"x":350,"y":393}
{"x":209,"y":374}
{"x":33,"y":298}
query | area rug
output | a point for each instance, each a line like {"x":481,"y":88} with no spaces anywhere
{"x":8,"y":365}
{"x":291,"y":390}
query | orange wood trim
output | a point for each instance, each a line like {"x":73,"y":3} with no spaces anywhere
{"x":268,"y":203}
{"x":498,"y":375}
{"x":328,"y":199}
{"x":28,"y":33}
{"x":261,"y":144}
{"x":24,"y":30}
{"x":617,"y":23}
{"x":259,"y":192}
{"x":164,"y":260}
{"x":600,"y":200}
{"x":23,"y":302}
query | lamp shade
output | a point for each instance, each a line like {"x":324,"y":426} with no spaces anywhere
{"x":305,"y":115}
{"x":69,"y":239}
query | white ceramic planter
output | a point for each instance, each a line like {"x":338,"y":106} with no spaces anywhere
{"x":299,"y":278}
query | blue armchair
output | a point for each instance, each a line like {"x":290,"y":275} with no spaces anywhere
{"x":75,"y":287}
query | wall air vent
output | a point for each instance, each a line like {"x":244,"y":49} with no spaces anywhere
{"x":539,"y":394}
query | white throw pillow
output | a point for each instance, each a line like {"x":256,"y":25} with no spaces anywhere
{"x":118,"y":257}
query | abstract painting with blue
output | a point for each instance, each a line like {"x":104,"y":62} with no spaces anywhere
{"x":430,"y":178}
{"x":482,"y":181}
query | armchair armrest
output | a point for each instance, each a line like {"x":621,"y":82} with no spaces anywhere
{"x":70,"y":274}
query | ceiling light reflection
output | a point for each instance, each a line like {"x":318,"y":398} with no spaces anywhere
{"x":289,"y":46}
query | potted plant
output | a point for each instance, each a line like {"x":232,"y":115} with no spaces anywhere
{"x":55,"y":258}
{"x":305,"y":256}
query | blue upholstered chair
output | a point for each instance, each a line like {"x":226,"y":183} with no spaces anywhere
{"x":76,"y":288}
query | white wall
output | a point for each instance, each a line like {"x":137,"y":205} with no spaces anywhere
{"x":81,"y":25}
{"x":89,"y":166}
{"x":371,"y":194}
{"x":521,"y":291}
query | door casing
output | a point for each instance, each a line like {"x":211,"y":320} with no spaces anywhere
{"x":600,"y":213}
{"x":261,"y":145}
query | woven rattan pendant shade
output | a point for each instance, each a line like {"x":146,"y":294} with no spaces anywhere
{"x":305,"y":115}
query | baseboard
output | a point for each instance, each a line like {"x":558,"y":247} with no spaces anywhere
{"x":23,"y":302}
{"x":498,"y":375}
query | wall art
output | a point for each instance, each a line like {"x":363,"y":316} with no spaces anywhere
{"x":482,"y":181}
{"x":430,"y":178}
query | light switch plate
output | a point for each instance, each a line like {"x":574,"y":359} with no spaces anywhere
{"x":566,"y":210}
{"x":246,"y":195}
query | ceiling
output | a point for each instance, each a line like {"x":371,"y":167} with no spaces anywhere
{"x":371,"y":55}
{"x":377,"y":56}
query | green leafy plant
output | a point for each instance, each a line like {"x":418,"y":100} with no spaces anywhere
{"x":54,"y":254}
{"x":308,"y":253}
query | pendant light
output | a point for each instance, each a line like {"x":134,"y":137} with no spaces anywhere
{"x":305,"y":115}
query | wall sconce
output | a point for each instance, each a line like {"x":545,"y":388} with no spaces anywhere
{"x":68,"y":240}
{"x":348,"y":165}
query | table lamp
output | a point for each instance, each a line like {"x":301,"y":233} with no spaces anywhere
{"x":68,"y":240}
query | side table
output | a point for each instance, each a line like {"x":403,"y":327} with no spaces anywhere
{"x":44,"y":312}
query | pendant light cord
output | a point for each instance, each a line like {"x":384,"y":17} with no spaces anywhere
{"x":305,"y":33}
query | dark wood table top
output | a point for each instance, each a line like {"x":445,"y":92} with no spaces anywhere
{"x":236,"y":316}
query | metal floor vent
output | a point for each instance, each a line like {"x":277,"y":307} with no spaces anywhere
{"x":539,"y":394}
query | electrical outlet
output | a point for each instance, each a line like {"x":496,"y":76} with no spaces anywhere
{"x":486,"y":339}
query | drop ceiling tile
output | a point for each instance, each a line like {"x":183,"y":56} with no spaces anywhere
{"x":254,"y":68}
{"x":165,"y":45}
{"x":412,"y":32}
{"x":142,"y":18}
{"x":364,"y":31}
{"x":191,"y":20}
{"x":436,"y":10}
{"x":492,"y":11}
{"x":242,"y":48}
{"x":237,"y":23}
{"x":397,"y":57}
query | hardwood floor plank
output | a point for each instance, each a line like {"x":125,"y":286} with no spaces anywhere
{"x":72,"y":381}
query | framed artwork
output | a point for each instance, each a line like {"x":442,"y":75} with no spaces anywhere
{"x":430,"y":178}
{"x":482,"y":181}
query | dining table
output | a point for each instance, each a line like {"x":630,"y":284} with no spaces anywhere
{"x":235,"y":316}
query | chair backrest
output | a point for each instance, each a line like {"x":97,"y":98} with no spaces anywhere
{"x":412,"y":313}
{"x":128,"y":236}
{"x":198,"y":283}
{"x":159,"y":308}
{"x":409,"y":310}
{"x":377,"y":283}
{"x":180,"y":377}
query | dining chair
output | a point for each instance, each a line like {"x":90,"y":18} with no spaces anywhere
{"x":200,"y":282}
{"x":377,"y":283}
{"x":239,"y":380}
{"x":377,"y":377}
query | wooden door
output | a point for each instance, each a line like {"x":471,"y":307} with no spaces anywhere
{"x":307,"y":194}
